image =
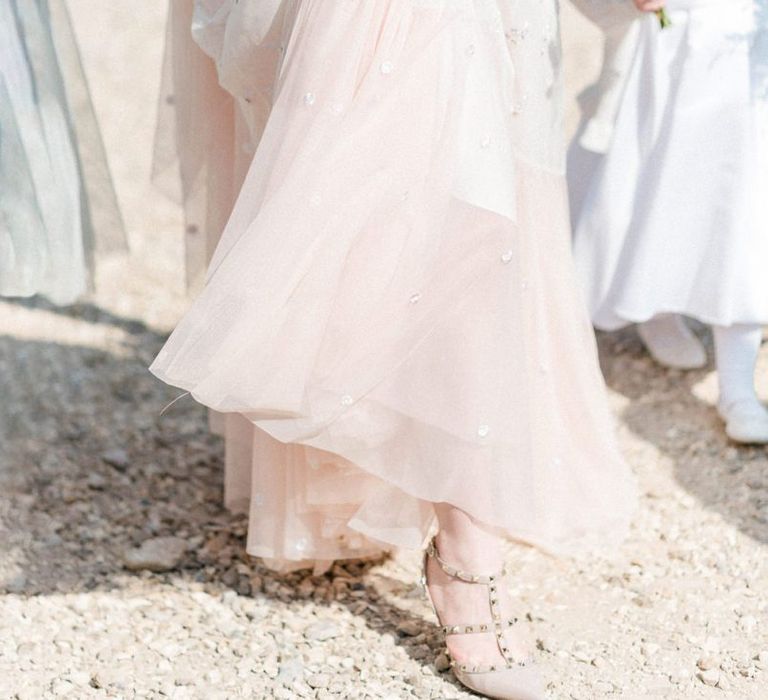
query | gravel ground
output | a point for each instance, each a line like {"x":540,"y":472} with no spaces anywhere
{"x":89,"y":472}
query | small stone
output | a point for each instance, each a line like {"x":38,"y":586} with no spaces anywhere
{"x":710,"y":677}
{"x":322,"y":631}
{"x":97,"y":482}
{"x":680,"y":675}
{"x":649,"y":649}
{"x":748,"y":623}
{"x":117,"y":458}
{"x":318,"y":680}
{"x":442,"y":663}
{"x":79,"y":678}
{"x":290,"y":671}
{"x":306,"y":588}
{"x":213,"y":676}
{"x":706,"y":663}
{"x":158,"y":554}
{"x":409,"y":628}
{"x":16,"y":584}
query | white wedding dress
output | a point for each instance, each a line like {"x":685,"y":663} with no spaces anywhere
{"x":669,"y":172}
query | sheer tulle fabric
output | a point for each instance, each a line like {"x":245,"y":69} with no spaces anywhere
{"x":391,"y":314}
{"x":58,"y":209}
{"x":667,"y":176}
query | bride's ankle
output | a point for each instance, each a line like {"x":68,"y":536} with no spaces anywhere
{"x":466,"y":544}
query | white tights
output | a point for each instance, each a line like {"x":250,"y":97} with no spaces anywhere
{"x":736,"y":350}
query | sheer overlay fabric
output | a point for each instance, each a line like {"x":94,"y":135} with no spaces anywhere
{"x":391,"y":318}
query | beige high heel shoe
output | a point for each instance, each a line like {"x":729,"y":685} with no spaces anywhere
{"x":512,"y":679}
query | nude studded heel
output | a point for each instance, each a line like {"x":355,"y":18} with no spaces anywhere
{"x":512,"y":679}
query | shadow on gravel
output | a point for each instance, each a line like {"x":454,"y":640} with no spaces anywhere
{"x":664,"y":410}
{"x":88,"y":468}
{"x":87,"y":312}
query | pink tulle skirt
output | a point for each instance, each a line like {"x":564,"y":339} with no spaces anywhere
{"x":391,"y":318}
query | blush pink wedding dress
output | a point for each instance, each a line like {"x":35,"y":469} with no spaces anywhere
{"x":390,"y":318}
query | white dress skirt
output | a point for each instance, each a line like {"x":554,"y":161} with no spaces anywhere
{"x":58,"y":209}
{"x":391,"y":318}
{"x":669,"y":172}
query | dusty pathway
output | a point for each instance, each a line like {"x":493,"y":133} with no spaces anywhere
{"x":88,"y":470}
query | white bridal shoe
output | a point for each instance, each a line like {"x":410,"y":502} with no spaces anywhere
{"x":746,"y":421}
{"x":510,"y":679}
{"x":671,"y":343}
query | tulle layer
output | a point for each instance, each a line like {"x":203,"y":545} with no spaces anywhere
{"x":391,"y":315}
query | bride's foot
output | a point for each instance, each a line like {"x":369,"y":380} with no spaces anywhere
{"x":488,"y":653}
{"x":671,"y":343}
{"x":746,"y":421}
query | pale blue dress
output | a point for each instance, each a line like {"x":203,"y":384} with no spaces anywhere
{"x":58,"y":209}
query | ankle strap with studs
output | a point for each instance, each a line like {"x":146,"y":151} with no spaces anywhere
{"x":498,"y":626}
{"x":453,"y":572}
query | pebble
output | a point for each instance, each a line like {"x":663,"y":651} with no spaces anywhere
{"x":442,"y":663}
{"x":680,"y":675}
{"x":16,"y":584}
{"x":117,"y":458}
{"x":748,"y":623}
{"x":290,"y":671}
{"x":706,"y":663}
{"x":649,"y":649}
{"x":710,"y":677}
{"x":97,"y":482}
{"x":322,"y":631}
{"x":410,"y":628}
{"x":157,"y":554}
{"x":318,"y":680}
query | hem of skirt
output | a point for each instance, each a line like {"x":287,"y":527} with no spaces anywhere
{"x":621,"y":318}
{"x":322,"y":562}
{"x":588,"y":543}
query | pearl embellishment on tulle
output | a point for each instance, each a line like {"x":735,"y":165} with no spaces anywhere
{"x":387,"y":67}
{"x":301,"y":545}
{"x":483,"y":430}
{"x":506,"y":257}
{"x":309,"y":99}
{"x":485,"y":142}
{"x":415,"y":299}
{"x":347,"y":400}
